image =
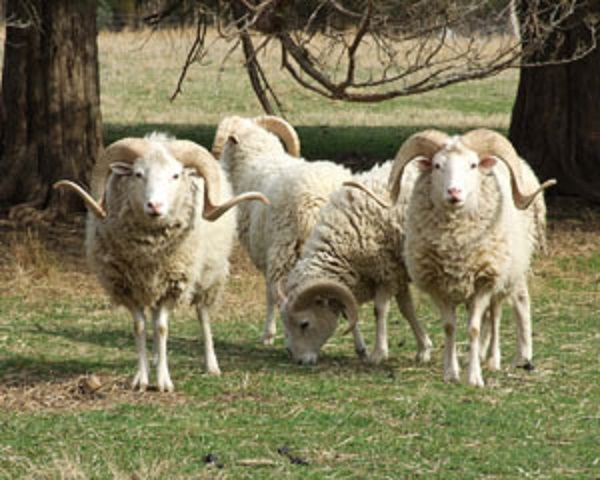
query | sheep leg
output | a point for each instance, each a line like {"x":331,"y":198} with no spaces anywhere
{"x":160,"y":320}
{"x":486,"y":334}
{"x":451,"y":367}
{"x":359,"y":342}
{"x":210,"y":358}
{"x":154,"y":347}
{"x":522,"y":311}
{"x":477,"y":309}
{"x":270,"y":329}
{"x":491,"y":346}
{"x":382,"y":308}
{"x":407,"y":309}
{"x":140,"y":380}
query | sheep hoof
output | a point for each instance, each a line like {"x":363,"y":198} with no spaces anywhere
{"x":524,"y":363}
{"x":361,"y":353}
{"x":378,"y":356}
{"x":451,"y":376}
{"x":476,"y":381}
{"x":527,"y":366}
{"x":493,"y":364}
{"x":165,"y":385}
{"x":423,"y":356}
{"x":213,"y":369}
{"x":267,"y":339}
{"x":140,"y":382}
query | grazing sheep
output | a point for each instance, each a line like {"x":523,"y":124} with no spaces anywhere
{"x":471,"y":233}
{"x":254,"y":159}
{"x":154,"y":242}
{"x":352,"y":256}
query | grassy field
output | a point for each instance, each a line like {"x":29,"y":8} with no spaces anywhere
{"x":266,"y":417}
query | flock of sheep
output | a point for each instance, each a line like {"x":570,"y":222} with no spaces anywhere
{"x":458,"y":216}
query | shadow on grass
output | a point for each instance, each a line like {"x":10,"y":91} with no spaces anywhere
{"x":245,"y":354}
{"x":29,"y":371}
{"x":357,"y":147}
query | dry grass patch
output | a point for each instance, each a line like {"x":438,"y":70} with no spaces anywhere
{"x":213,"y":89}
{"x":84,"y":392}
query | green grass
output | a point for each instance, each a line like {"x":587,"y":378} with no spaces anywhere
{"x":347,"y":419}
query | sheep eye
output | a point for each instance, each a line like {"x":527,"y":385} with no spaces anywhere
{"x":304,"y":325}
{"x":138,"y":174}
{"x":437,"y":166}
{"x":473,"y":165}
{"x":176,"y":176}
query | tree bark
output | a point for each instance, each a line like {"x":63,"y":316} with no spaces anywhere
{"x":50,"y":122}
{"x":555,"y":121}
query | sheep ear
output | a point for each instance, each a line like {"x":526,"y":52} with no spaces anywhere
{"x":191,"y":172}
{"x":424,"y":163}
{"x":121,"y":168}
{"x":335,"y":306}
{"x":486,"y":163}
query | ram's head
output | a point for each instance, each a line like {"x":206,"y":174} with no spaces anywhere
{"x":231,"y":129}
{"x":310,"y":315}
{"x":157,"y":170}
{"x":457,"y":163}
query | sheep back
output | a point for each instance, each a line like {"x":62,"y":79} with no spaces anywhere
{"x":356,"y":241}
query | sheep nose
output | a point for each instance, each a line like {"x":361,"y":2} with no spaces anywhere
{"x":455,"y":193}
{"x":154,"y":208}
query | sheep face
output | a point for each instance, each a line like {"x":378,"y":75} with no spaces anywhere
{"x":455,"y":175}
{"x":156,"y":184}
{"x":307,"y":330}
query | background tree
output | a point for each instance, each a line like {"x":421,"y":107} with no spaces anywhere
{"x":50,"y":124}
{"x":373,"y":50}
{"x":556,"y":117}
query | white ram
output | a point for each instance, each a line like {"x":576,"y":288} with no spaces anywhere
{"x":254,"y":158}
{"x":353,"y":256}
{"x":153,"y":240}
{"x":471,"y":233}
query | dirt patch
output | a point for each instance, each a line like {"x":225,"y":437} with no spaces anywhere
{"x":84,"y":392}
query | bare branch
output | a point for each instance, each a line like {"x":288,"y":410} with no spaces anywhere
{"x":193,"y":55}
{"x":374,"y":50}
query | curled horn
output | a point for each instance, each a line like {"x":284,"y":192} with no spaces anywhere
{"x":226,"y":127}
{"x":422,"y":144}
{"x":488,"y":143}
{"x":125,"y":150}
{"x":94,"y":206}
{"x":363,"y":188}
{"x":326,"y":288}
{"x":283,"y":130}
{"x":194,"y":156}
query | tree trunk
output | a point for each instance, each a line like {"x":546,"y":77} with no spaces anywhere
{"x":50,"y":124}
{"x":555,"y":120}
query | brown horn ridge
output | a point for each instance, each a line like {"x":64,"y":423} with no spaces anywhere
{"x":302,"y":298}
